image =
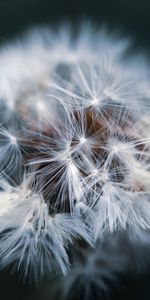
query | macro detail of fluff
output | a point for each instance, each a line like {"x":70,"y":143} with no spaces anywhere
{"x":74,"y":153}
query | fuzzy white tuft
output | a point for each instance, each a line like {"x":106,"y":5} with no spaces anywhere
{"x":74,"y":148}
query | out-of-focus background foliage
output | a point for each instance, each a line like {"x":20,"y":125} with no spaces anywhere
{"x":132,"y":17}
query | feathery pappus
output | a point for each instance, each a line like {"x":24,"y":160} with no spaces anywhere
{"x":74,"y":151}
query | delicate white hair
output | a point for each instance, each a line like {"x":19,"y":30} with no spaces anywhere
{"x":74,"y":148}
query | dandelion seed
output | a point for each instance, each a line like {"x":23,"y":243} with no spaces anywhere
{"x":94,"y":102}
{"x":82,"y":140}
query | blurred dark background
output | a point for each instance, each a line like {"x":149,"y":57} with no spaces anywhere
{"x":132,"y":17}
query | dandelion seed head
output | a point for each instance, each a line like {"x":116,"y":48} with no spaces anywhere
{"x":74,"y":150}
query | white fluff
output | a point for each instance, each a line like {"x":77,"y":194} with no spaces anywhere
{"x":32,"y":239}
{"x":83,"y":128}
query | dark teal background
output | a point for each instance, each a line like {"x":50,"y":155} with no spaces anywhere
{"x":132,"y":17}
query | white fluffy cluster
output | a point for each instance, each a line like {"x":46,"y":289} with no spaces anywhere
{"x":74,"y":146}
